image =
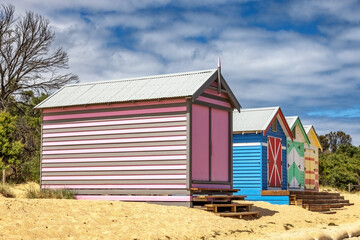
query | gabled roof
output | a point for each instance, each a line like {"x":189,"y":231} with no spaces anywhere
{"x":259,"y":120}
{"x":185,"y":84}
{"x":295,"y":120}
{"x":312,"y":135}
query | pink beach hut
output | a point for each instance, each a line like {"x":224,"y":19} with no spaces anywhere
{"x":144,"y":139}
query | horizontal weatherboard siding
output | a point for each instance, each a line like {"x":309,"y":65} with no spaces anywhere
{"x":112,"y":168}
{"x":120,"y":186}
{"x":179,"y":176}
{"x":115,"y":122}
{"x":134,"y":130}
{"x":214,"y":101}
{"x":112,"y":159}
{"x":115,"y":140}
{"x":116,"y":181}
{"x":113,"y":105}
{"x":136,"y":198}
{"x":115,"y":113}
{"x":120,"y":149}
{"x":111,"y":150}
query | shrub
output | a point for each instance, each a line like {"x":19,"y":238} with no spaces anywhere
{"x":6,"y":191}
{"x":340,"y":168}
{"x":50,"y":193}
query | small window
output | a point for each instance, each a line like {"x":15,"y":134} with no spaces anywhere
{"x":294,"y":133}
{"x":274,"y":126}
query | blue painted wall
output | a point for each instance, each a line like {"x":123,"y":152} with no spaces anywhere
{"x":250,"y":166}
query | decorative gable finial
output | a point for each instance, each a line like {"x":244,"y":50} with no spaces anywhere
{"x":219,"y":75}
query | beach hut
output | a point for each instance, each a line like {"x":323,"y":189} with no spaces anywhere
{"x":295,"y":154}
{"x":312,"y":159}
{"x":145,"y":139}
{"x":259,"y":154}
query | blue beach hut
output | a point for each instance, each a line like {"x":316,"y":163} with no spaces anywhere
{"x":259,"y":154}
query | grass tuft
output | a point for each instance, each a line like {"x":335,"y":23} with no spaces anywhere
{"x":50,"y":193}
{"x":6,"y":191}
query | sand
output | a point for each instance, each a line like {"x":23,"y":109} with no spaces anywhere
{"x":23,"y":218}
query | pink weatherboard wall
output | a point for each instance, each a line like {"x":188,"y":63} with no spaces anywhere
{"x":200,"y":142}
{"x":220,"y":145}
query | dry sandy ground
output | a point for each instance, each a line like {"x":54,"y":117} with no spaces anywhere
{"x":23,"y":218}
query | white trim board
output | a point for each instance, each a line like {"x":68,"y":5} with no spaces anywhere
{"x":246,"y":144}
{"x":253,"y":144}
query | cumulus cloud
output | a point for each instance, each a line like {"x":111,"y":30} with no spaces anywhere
{"x":269,"y":56}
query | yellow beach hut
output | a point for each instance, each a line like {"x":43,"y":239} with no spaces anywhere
{"x":312,"y":159}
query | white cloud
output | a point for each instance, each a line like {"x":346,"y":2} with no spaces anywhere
{"x":264,"y":67}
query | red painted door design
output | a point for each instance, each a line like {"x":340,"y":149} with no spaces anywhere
{"x":274,"y":162}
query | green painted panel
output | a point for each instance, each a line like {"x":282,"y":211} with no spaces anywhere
{"x":299,"y":146}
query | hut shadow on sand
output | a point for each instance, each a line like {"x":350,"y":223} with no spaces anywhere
{"x":264,"y":211}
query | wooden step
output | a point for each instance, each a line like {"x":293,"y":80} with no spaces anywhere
{"x":315,"y":201}
{"x":234,"y":207}
{"x":239,"y":214}
{"x":216,"y":198}
{"x":317,"y":197}
{"x":317,"y":207}
{"x":220,"y":190}
{"x":313,"y":193}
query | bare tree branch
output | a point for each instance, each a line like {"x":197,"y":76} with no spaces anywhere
{"x":27,"y":61}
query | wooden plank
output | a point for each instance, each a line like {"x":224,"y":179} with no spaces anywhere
{"x":229,"y":205}
{"x":317,"y":197}
{"x":313,"y":193}
{"x":275,"y":193}
{"x":237,"y":197}
{"x":238,"y":214}
{"x":213,"y":190}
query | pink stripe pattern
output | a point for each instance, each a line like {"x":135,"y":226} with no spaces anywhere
{"x":117,"y":140}
{"x":111,"y":150}
{"x":115,"y":122}
{"x":114,"y":105}
{"x":115,"y":159}
{"x":215,"y":93}
{"x":136,"y":198}
{"x":119,"y":177}
{"x":214,"y":101}
{"x":117,"y":186}
{"x":116,"y":113}
{"x":112,"y":168}
{"x":122,"y":131}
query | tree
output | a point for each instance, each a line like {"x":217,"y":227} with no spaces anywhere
{"x":333,"y":140}
{"x":10,"y":149}
{"x":340,"y":168}
{"x":28,"y":131}
{"x":26,"y":59}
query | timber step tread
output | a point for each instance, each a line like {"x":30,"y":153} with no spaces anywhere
{"x":311,"y":201}
{"x":313,"y":193}
{"x":236,"y":197}
{"x":238,"y":214}
{"x":317,"y":197}
{"x":213,"y":190}
{"x":229,"y":205}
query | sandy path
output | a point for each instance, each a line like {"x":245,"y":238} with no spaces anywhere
{"x":72,"y":219}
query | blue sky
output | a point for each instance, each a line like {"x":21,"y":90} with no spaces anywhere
{"x":301,"y":55}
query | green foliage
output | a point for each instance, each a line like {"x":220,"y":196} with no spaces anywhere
{"x":28,"y":131}
{"x":332,"y":140}
{"x":6,"y":191}
{"x":50,"y":193}
{"x":10,"y":148}
{"x":30,"y":170}
{"x":340,"y":168}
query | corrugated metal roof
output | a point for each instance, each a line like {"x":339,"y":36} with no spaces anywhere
{"x":134,"y":89}
{"x":253,"y":119}
{"x":307,"y":128}
{"x":291,"y":120}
